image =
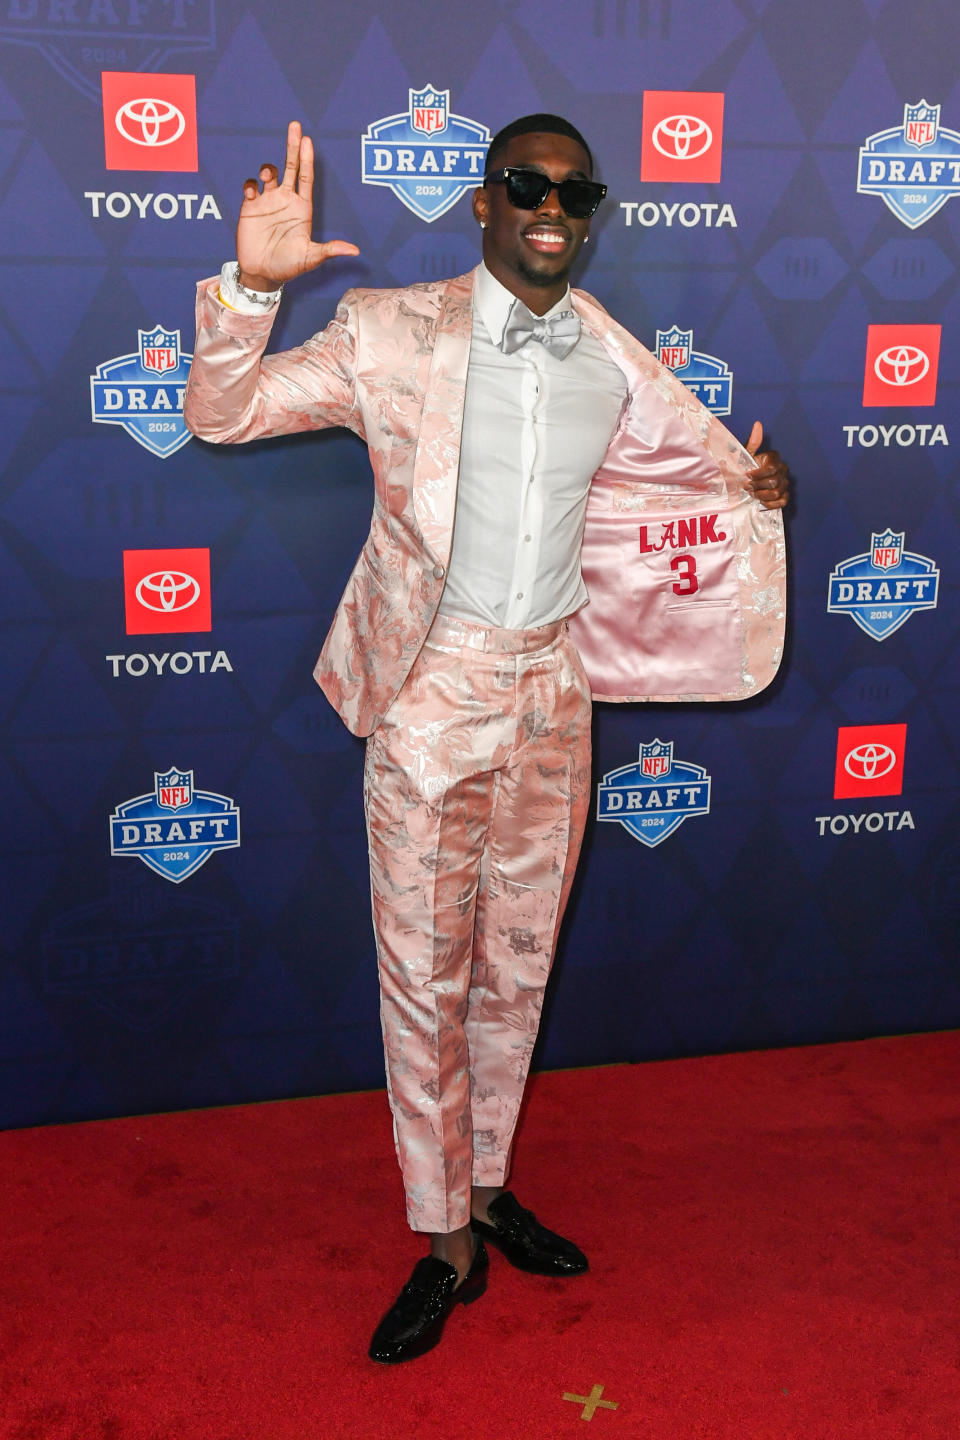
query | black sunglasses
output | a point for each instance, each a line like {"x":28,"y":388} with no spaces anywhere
{"x":527,"y":190}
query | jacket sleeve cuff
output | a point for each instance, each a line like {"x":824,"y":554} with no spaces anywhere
{"x":214,"y":312}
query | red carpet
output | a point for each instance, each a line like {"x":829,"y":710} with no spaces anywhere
{"x":774,"y":1243}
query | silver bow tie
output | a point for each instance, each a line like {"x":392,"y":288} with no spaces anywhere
{"x":558,"y":334}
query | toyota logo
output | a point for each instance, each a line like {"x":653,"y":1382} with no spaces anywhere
{"x":901,"y":365}
{"x":167,"y":591}
{"x":682,"y":137}
{"x":150,"y":122}
{"x":870,"y":762}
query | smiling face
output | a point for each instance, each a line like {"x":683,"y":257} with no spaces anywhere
{"x":531,"y":251}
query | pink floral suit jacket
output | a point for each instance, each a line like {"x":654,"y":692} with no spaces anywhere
{"x":685,"y":570}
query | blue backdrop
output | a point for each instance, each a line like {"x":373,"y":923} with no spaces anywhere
{"x":185,"y":906}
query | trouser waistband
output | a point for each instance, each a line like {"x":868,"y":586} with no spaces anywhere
{"x":448,"y":633}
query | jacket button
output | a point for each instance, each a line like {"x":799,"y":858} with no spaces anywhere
{"x":438,"y":572}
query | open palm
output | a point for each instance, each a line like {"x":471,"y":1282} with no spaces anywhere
{"x":274,"y":232}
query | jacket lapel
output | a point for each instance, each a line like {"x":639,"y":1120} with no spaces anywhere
{"x":665,"y":435}
{"x":438,"y":449}
{"x":637,"y":364}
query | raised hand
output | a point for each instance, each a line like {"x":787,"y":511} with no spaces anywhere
{"x":770,"y":481}
{"x":274,"y":230}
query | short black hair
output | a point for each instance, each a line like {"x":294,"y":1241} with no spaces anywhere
{"x":534,"y":124}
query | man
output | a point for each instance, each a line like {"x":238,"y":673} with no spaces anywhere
{"x":492,"y":405}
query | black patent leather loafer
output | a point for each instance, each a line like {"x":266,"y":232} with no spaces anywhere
{"x":527,"y":1244}
{"x":414,"y":1323}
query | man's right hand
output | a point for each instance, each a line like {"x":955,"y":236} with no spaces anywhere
{"x":273,"y":232}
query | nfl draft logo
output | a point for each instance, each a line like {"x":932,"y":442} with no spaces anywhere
{"x":915,"y":167}
{"x":160,"y":350}
{"x":920,"y":124}
{"x":77,"y":39}
{"x":428,"y":110}
{"x":654,"y":796}
{"x":710,"y":379}
{"x":176,"y":828}
{"x":137,"y":953}
{"x":427,"y":156}
{"x":882,"y":588}
{"x":887,"y":549}
{"x":144,"y":392}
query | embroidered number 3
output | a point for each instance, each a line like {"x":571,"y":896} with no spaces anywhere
{"x":686,"y":567}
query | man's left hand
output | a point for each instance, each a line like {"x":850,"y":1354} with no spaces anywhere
{"x":770,"y":481}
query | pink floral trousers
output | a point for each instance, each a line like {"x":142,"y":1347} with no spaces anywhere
{"x":476,"y":790}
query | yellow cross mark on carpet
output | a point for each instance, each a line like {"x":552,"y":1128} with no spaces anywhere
{"x":591,"y":1403}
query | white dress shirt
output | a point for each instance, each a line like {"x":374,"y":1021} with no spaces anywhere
{"x":535,"y":429}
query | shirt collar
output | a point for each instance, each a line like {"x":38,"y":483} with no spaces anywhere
{"x":492,"y":302}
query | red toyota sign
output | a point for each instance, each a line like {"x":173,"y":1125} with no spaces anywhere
{"x":149,"y":121}
{"x":901,"y":365}
{"x":869,"y":761}
{"x":682,"y":135}
{"x":166,"y":591}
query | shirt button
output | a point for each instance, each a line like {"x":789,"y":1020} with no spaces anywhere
{"x":528,"y":537}
{"x":438,"y":572}
{"x":519,"y":594}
